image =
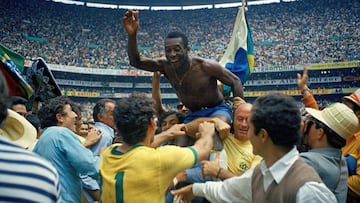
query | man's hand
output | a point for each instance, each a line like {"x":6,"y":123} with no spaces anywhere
{"x":222,"y":127}
{"x":206,"y":128}
{"x":183,"y":194}
{"x":237,"y":102}
{"x":94,"y":135}
{"x":302,"y":80}
{"x":131,"y":21}
{"x":176,"y":131}
{"x":211,"y":168}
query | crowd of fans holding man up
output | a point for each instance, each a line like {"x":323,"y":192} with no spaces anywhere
{"x":273,"y":152}
{"x":138,"y":164}
{"x":284,"y":34}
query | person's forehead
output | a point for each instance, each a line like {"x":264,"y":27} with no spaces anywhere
{"x":171,"y":42}
{"x":109,"y":106}
{"x":67,"y":108}
{"x":171,"y":117}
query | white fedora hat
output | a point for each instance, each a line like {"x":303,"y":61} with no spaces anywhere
{"x":19,"y":130}
{"x":338,"y":117}
{"x":354,"y":97}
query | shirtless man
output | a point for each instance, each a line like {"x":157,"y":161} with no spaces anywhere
{"x":193,"y":79}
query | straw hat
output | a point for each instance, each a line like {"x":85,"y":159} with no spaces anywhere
{"x":338,"y":117}
{"x":354,"y":97}
{"x":16,"y":128}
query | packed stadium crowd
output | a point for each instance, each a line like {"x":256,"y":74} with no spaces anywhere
{"x":284,"y":34}
{"x":213,"y":146}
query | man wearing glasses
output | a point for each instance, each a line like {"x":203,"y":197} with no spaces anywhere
{"x":325,"y":134}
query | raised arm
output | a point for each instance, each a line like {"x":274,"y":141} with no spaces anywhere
{"x":156,"y":95}
{"x":131,"y":25}
{"x":308,"y":98}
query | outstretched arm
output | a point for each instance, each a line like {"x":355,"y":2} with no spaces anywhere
{"x":131,"y":25}
{"x":226,"y":77}
{"x":221,"y":127}
{"x":173,"y":132}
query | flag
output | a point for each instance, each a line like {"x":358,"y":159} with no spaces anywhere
{"x":239,"y":55}
{"x":12,"y":66}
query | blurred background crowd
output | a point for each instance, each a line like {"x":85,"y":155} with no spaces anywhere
{"x":284,"y":34}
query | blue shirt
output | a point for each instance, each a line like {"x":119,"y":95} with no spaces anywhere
{"x":331,"y":168}
{"x":106,"y":138}
{"x":64,"y":150}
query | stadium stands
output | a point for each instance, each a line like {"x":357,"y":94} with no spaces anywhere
{"x":323,"y":33}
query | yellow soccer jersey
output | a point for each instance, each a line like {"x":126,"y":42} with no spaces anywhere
{"x":239,"y":155}
{"x":142,"y":174}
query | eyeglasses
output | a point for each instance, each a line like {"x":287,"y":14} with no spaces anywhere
{"x":308,"y":122}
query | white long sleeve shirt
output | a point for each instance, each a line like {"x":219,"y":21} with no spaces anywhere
{"x":238,"y":189}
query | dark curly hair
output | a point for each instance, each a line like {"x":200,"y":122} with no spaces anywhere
{"x":4,"y":98}
{"x":177,"y":34}
{"x":49,"y":109}
{"x":280,"y":116}
{"x":179,"y":116}
{"x":132,"y":116}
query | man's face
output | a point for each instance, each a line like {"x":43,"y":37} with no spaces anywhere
{"x":240,"y":124}
{"x":68,"y":119}
{"x":354,"y":107}
{"x":20,"y":109}
{"x":108,"y":119}
{"x":84,"y":129}
{"x":175,"y":51}
{"x":254,"y":139}
{"x":169,"y":121}
{"x":78,"y":122}
{"x":182,"y":108}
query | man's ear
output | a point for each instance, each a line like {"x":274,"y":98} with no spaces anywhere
{"x":153,"y":124}
{"x":320,"y":134}
{"x":59,"y":118}
{"x":264,"y":134}
{"x":100,"y":117}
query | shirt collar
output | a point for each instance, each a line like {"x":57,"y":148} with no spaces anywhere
{"x":280,"y":167}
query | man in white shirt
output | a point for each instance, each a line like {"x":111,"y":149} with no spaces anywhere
{"x":274,"y":129}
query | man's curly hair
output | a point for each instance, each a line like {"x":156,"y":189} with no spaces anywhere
{"x":49,"y":109}
{"x":132,"y":116}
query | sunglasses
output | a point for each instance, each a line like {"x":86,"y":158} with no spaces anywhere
{"x":180,"y":106}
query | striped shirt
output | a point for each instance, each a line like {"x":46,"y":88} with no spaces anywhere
{"x":25,"y":176}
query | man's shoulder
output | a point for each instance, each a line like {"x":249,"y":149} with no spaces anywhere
{"x":30,"y":158}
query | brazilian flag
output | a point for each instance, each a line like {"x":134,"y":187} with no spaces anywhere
{"x":12,"y":66}
{"x":239,"y":55}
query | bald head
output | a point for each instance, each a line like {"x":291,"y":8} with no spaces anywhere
{"x":240,"y":125}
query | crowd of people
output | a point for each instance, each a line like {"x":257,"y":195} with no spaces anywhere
{"x":284,"y":33}
{"x":213,"y":147}
{"x":127,"y":154}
